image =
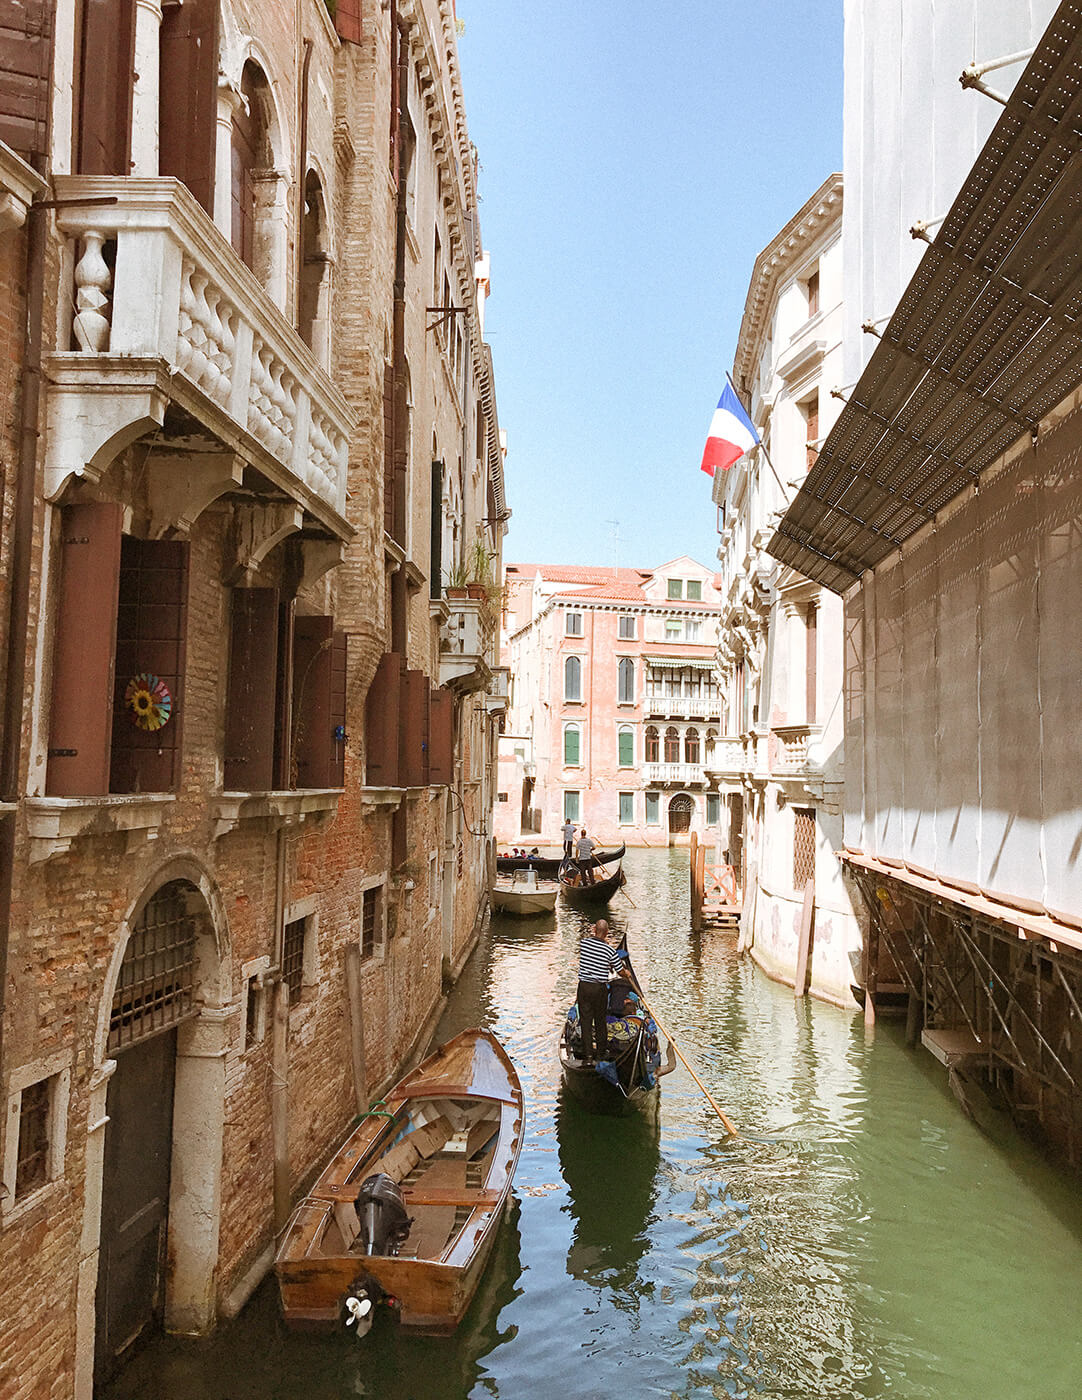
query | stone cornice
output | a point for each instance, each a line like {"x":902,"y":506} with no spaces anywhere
{"x":821,"y":213}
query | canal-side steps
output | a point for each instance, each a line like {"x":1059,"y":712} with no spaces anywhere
{"x":715,"y":894}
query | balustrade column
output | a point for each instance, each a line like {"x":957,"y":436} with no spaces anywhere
{"x":146,"y":93}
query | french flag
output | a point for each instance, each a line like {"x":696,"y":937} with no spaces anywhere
{"x":731,"y":433}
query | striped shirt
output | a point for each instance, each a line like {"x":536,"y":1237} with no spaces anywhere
{"x":596,"y":959}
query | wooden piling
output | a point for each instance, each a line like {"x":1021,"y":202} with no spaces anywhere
{"x":747,"y":917}
{"x":354,"y":995}
{"x":696,"y":887}
{"x":279,"y":1105}
{"x":807,"y":916}
{"x":871,"y":969}
{"x":914,"y":1014}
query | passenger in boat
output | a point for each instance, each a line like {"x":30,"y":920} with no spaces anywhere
{"x":598,"y":960}
{"x":584,"y":854}
{"x":622,"y":998}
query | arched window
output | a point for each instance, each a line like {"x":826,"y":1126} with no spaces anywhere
{"x":573,"y":678}
{"x":672,"y":745}
{"x":653,"y":745}
{"x":313,"y":321}
{"x":571,"y":746}
{"x":251,"y":155}
{"x":625,"y":691}
{"x":691,"y":746}
{"x":626,"y":747}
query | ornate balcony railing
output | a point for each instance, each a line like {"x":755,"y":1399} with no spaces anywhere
{"x":675,"y":774}
{"x":682,"y":707}
{"x":167,"y":313}
{"x":795,"y":753}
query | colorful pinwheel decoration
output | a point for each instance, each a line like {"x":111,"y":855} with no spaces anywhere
{"x":148,"y":698}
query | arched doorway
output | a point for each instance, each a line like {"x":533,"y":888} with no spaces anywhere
{"x":157,"y":1119}
{"x":680,"y":809}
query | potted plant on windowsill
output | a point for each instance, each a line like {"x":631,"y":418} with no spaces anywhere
{"x":482,"y":584}
{"x":457,"y":582}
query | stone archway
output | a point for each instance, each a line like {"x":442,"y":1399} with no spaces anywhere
{"x":167,"y":1007}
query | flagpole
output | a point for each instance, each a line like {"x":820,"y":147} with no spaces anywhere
{"x":761,"y":444}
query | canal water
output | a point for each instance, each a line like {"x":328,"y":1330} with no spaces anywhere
{"x":861,"y":1238}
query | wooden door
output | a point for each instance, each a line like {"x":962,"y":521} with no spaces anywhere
{"x":135,"y":1199}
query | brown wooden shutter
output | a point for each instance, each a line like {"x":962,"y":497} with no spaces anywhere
{"x":188,"y":105}
{"x":441,"y":740}
{"x":382,"y":715}
{"x":313,"y":730}
{"x":105,"y":87}
{"x":250,"y":690}
{"x":150,"y":638}
{"x":388,"y":448}
{"x":339,"y":671}
{"x":347,"y":20}
{"x":82,"y":700}
{"x":413,"y":736}
{"x":26,"y":34}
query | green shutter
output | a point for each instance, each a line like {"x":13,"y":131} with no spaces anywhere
{"x":571,"y":747}
{"x":627,"y":748}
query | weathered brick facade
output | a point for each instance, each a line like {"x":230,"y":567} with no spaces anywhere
{"x":276,"y":486}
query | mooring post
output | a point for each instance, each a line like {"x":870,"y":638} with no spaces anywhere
{"x":696,"y":894}
{"x":914,"y":1015}
{"x":871,"y":968}
{"x":355,"y":998}
{"x":807,"y":915}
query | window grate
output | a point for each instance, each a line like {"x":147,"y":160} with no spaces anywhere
{"x":369,"y":921}
{"x":32,"y":1163}
{"x":803,"y":846}
{"x":293,"y":957}
{"x":156,"y":983}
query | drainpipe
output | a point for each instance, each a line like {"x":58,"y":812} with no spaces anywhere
{"x":399,"y":448}
{"x":21,"y":549}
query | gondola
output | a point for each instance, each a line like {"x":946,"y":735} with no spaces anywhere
{"x":629,"y":1079}
{"x":548,"y":867}
{"x":600,"y":892}
{"x":408,"y":1209}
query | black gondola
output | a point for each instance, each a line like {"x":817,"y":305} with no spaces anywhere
{"x":630,"y":1078}
{"x":599,"y":892}
{"x":548,"y":867}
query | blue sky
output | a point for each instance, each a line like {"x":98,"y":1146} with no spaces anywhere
{"x":634,"y":159}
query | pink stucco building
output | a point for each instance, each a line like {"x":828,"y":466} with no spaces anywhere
{"x":615,"y":708}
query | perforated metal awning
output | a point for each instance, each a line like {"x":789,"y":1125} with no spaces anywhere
{"x":985,"y":341}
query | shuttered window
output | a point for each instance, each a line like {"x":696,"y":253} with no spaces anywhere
{"x":571,"y":806}
{"x":150,"y":645}
{"x":627,"y":808}
{"x":347,"y":20}
{"x":672,"y":745}
{"x":188,"y":100}
{"x":252,"y":681}
{"x":106,"y":72}
{"x":625,"y":685}
{"x":381,"y":722}
{"x":573,"y":678}
{"x":653,"y":810}
{"x":691,"y":746}
{"x":414,"y":733}
{"x":571,"y":746}
{"x":626,"y":747}
{"x":653,"y":745}
{"x":319,"y":702}
{"x":80,"y":728}
{"x":441,"y":751}
{"x":26,"y":32}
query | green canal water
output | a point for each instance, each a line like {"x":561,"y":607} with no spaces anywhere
{"x":863,"y":1239}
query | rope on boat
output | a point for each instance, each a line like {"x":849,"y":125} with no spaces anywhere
{"x":378,"y":1109}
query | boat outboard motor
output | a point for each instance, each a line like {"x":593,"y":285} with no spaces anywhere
{"x":384,"y":1222}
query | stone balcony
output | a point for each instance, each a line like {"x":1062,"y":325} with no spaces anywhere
{"x":795,"y":750}
{"x":675,"y":775}
{"x":681,"y":707}
{"x":466,"y":645}
{"x":499,"y":691}
{"x":173,"y":335}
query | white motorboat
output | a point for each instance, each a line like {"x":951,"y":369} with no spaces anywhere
{"x":521,"y":892}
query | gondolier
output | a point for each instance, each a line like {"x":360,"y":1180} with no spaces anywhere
{"x":598,"y":960}
{"x":568,"y":833}
{"x":584,"y":857}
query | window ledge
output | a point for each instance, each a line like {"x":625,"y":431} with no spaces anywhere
{"x":382,"y":796}
{"x":41,"y":1201}
{"x":54,"y":822}
{"x":276,"y":809}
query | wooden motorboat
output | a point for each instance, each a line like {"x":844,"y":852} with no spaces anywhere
{"x":580,"y":891}
{"x":630,"y":1077}
{"x":522,"y":893}
{"x":409,"y":1207}
{"x":548,"y":867}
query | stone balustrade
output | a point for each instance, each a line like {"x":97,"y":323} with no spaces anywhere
{"x":675,"y":774}
{"x":466,"y":644}
{"x":166,"y":312}
{"x":794,"y":751}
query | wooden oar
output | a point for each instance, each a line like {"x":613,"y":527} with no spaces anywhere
{"x":730,"y":1126}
